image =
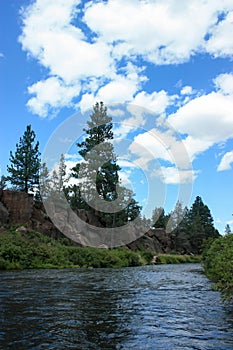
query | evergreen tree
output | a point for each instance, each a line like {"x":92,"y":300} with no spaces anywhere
{"x":200,"y":225}
{"x":178,"y":228}
{"x":60,"y":175}
{"x":97,"y":174}
{"x":3,"y":181}
{"x":159,"y":219}
{"x":25,"y":164}
{"x":44,"y":183}
{"x":99,"y":155}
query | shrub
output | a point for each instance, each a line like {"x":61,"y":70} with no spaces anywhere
{"x":218,"y":263}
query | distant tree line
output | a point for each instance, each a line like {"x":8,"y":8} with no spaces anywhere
{"x":189,"y":227}
{"x":28,"y":173}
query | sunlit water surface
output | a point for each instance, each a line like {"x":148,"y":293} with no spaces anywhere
{"x":150,"y":307}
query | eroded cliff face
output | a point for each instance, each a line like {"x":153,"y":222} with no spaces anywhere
{"x":19,"y":208}
{"x":18,"y":205}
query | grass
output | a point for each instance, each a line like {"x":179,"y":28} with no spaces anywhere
{"x":178,"y":259}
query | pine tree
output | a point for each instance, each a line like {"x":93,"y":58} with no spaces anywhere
{"x":25,"y":164}
{"x":3,"y":181}
{"x":201,"y":225}
{"x":159,"y":219}
{"x":59,"y":176}
{"x":178,"y":228}
{"x":98,"y":174}
{"x":99,"y":155}
{"x":44,"y":183}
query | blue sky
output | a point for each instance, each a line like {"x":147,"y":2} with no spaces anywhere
{"x":172,"y":59}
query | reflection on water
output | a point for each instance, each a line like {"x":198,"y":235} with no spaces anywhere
{"x":151,"y":307}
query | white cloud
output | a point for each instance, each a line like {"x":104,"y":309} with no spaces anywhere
{"x":120,"y":90}
{"x":195,"y":146}
{"x":186,"y":90}
{"x":152,"y":145}
{"x":124,"y":163}
{"x":1,"y":55}
{"x":124,"y":177}
{"x":226,"y":161}
{"x":157,"y":31}
{"x":220,"y":42}
{"x":203,"y":121}
{"x":155,"y":146}
{"x":50,"y":93}
{"x":156,"y":101}
{"x":49,"y":36}
{"x":162,"y":32}
{"x":174,"y":176}
{"x":208,"y":119}
{"x":133,"y":118}
{"x":224,"y":82}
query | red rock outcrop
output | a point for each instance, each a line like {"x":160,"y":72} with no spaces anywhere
{"x":19,"y":206}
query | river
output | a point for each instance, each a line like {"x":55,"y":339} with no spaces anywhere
{"x":150,"y":307}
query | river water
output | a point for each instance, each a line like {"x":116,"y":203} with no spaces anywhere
{"x":151,"y":307}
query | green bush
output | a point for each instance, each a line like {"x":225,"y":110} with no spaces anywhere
{"x":20,"y":250}
{"x":178,"y":259}
{"x":218,"y":263}
{"x":27,"y":250}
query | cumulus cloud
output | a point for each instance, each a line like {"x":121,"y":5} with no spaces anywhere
{"x":220,"y":42}
{"x":226,"y":161}
{"x":202,"y":122}
{"x":186,"y":90}
{"x":208,"y":119}
{"x":99,"y":50}
{"x":50,"y":92}
{"x":157,"y":102}
{"x":103,"y":58}
{"x":177,"y":32}
{"x":154,"y":147}
{"x":174,"y":175}
{"x":224,"y":82}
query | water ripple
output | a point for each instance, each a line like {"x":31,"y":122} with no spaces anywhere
{"x":152,"y":307}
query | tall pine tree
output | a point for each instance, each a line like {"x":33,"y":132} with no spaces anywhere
{"x":98,"y":152}
{"x":201,"y":226}
{"x":25,"y":163}
{"x":98,"y":174}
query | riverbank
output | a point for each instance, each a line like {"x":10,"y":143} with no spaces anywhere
{"x":218,"y":264}
{"x":25,"y":249}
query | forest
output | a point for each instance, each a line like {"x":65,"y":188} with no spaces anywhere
{"x":192,"y":230}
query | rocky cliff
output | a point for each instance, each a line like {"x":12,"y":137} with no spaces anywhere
{"x":19,"y":208}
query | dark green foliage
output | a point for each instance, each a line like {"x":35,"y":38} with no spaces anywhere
{"x":99,"y":155}
{"x":200,"y":225}
{"x":159,"y":219}
{"x":3,"y":181}
{"x":218,"y":263}
{"x":189,"y":229}
{"x":25,"y":164}
{"x":98,"y":175}
{"x":26,"y":250}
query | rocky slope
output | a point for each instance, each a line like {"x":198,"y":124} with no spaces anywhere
{"x":19,"y":208}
